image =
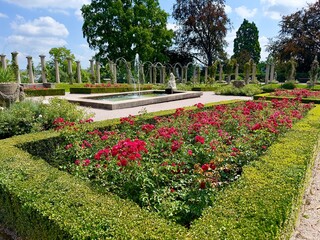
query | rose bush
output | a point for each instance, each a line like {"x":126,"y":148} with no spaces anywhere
{"x":297,"y":93}
{"x":174,"y":165}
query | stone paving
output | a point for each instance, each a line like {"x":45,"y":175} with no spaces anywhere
{"x":102,"y":114}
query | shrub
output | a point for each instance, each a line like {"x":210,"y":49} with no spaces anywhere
{"x":31,"y":116}
{"x":289,"y":85}
{"x":247,"y":90}
{"x":270,"y":87}
{"x":41,"y":202}
{"x":44,"y":92}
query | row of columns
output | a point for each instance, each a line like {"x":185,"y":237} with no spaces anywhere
{"x":94,"y":68}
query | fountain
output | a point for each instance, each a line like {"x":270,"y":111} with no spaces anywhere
{"x":137,"y":97}
{"x":137,"y":71}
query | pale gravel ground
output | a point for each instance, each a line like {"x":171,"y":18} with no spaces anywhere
{"x":308,"y":226}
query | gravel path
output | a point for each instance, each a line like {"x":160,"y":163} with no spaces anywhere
{"x":308,"y":226}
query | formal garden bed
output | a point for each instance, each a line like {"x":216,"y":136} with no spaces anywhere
{"x":36,"y":92}
{"x":303,"y":95}
{"x":41,"y":202}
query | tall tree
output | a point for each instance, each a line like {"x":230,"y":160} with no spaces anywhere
{"x":299,"y":37}
{"x":246,"y":44}
{"x":122,"y":28}
{"x":203,"y":26}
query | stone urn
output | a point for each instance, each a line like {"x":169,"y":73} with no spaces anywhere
{"x":9,"y":93}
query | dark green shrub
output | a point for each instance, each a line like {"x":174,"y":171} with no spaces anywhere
{"x":288,"y":85}
{"x":44,"y":92}
{"x":270,"y":87}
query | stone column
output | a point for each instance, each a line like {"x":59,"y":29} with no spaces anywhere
{"x":56,"y":65}
{"x":115,"y":73}
{"x":154,"y":74}
{"x":205,"y":75}
{"x":236,"y":74}
{"x":185,"y":69}
{"x":267,"y":73}
{"x":92,"y":71}
{"x":43,"y":68}
{"x":69,"y":59}
{"x":163,"y":74}
{"x":30,"y":71}
{"x":254,"y":72}
{"x":98,"y":71}
{"x":78,"y":72}
{"x":3,"y":61}
{"x":17,"y":70}
{"x":272,"y":72}
{"x":220,"y":72}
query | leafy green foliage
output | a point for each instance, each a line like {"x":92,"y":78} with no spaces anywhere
{"x":246,"y":44}
{"x":247,"y":90}
{"x":123,"y":28}
{"x":29,"y":116}
{"x":7,"y":75}
{"x":40,"y":202}
{"x":299,"y":37}
{"x":203,"y":28}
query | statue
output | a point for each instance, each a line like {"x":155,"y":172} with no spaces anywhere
{"x":172,"y":82}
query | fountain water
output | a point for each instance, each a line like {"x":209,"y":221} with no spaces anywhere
{"x":136,"y":78}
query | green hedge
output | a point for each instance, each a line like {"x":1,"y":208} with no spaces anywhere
{"x":41,"y":202}
{"x":85,"y":90}
{"x":269,"y":97}
{"x":44,"y":92}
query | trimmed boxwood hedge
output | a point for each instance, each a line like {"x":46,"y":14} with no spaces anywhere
{"x":41,"y":202}
{"x":269,"y":96}
{"x":44,"y":92}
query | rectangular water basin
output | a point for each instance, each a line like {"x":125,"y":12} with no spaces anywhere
{"x":127,"y":100}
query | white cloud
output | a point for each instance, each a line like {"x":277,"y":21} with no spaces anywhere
{"x":263,"y":40}
{"x":2,"y":15}
{"x":59,"y":4}
{"x":42,"y":26}
{"x":244,"y":12}
{"x":172,"y":26}
{"x":275,"y":9}
{"x":35,"y":37}
{"x":228,"y":9}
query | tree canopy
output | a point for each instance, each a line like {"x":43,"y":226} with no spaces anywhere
{"x":299,"y":37}
{"x":202,"y":28}
{"x":246,"y":44}
{"x":122,"y":28}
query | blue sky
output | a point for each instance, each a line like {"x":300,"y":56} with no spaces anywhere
{"x":33,"y":27}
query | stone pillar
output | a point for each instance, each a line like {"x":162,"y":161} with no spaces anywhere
{"x":115,"y":72}
{"x":205,"y":75}
{"x":78,"y":72}
{"x":3,"y":61}
{"x":154,"y":74}
{"x":185,"y":69}
{"x":56,"y":65}
{"x":163,"y":74}
{"x":92,"y":71}
{"x":69,"y":59}
{"x":236,"y":74}
{"x":220,"y":72}
{"x":16,"y":69}
{"x":267,"y":73}
{"x":43,"y":68}
{"x":30,"y":71}
{"x":98,"y":71}
{"x":272,"y":72}
{"x":254,"y":72}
